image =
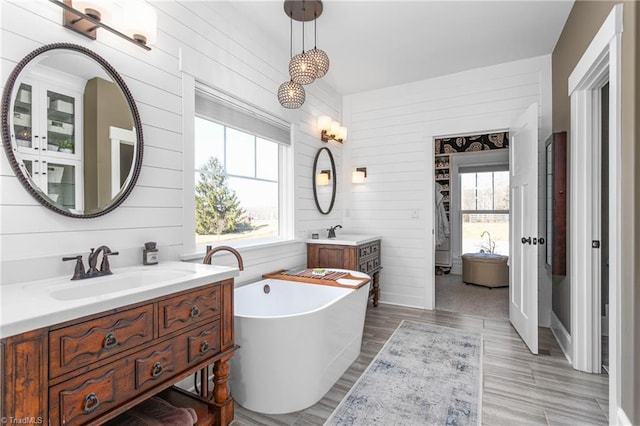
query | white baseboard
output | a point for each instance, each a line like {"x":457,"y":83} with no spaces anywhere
{"x":562,"y":337}
{"x":622,"y":419}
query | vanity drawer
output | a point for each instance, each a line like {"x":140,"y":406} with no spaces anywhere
{"x":83,"y":398}
{"x":157,"y":365}
{"x":188,"y":309}
{"x":203,"y":342}
{"x":369,"y":250}
{"x":82,"y":344}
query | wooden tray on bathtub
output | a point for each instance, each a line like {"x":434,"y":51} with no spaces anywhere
{"x":307,"y":276}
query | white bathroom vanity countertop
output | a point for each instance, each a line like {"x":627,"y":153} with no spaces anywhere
{"x":31,"y":305}
{"x":346,"y":240}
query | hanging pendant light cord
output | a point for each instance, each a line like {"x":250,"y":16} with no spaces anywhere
{"x":303,"y":18}
{"x":291,"y":36}
{"x":315,"y":30}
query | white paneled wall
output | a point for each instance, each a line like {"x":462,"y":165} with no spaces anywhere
{"x":392,"y":132}
{"x":216,"y":45}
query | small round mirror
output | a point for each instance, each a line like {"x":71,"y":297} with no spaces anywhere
{"x":324,"y":180}
{"x":71,"y":130}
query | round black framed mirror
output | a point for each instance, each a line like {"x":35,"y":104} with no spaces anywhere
{"x":71,"y":130}
{"x":324,"y":180}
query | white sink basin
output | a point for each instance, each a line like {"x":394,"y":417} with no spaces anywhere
{"x":101,"y":286}
{"x":124,"y":280}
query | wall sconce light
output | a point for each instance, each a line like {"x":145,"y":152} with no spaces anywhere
{"x":331,"y":130}
{"x":323,"y":178}
{"x":139,"y":20}
{"x":359,"y":175}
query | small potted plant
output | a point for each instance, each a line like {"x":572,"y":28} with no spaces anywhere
{"x":66,"y":146}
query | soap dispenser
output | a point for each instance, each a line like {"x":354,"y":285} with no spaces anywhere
{"x":150,"y":254}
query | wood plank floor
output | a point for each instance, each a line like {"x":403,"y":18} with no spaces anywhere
{"x":518,"y":387}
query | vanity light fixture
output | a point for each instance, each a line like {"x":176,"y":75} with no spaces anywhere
{"x":359,"y":175}
{"x":139,"y":20}
{"x":323,"y":178}
{"x":331,"y":130}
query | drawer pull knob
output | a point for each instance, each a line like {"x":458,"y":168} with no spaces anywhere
{"x":195,"y":312}
{"x":91,"y":402}
{"x":157,"y":370}
{"x":110,"y":341}
{"x":204,"y":347}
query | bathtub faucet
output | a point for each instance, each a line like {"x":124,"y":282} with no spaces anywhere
{"x":211,"y":252}
{"x":332,"y":231}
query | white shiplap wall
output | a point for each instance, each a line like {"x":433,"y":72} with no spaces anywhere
{"x":224,"y":50}
{"x":392,"y":132}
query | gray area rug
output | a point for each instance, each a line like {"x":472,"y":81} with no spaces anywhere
{"x":423,"y":375}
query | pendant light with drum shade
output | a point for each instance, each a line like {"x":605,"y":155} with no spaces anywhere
{"x":305,"y":67}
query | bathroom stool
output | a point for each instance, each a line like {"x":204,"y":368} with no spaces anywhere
{"x":486,"y":269}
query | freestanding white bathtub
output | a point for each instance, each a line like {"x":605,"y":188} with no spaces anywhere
{"x":295,"y":342}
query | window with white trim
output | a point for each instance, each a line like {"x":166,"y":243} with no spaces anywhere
{"x":484,"y":201}
{"x":239,"y":180}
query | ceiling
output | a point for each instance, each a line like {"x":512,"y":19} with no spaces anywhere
{"x":375,"y":44}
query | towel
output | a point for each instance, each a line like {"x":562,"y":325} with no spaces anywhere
{"x":440,"y":217}
{"x":156,"y":411}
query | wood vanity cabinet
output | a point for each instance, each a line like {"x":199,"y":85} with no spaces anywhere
{"x":89,"y":370}
{"x":364,"y":258}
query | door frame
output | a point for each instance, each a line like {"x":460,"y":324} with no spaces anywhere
{"x":600,"y":63}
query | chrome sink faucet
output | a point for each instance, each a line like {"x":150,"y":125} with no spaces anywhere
{"x":332,"y":231}
{"x":105,"y":269}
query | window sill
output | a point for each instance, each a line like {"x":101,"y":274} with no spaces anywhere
{"x":256,"y":246}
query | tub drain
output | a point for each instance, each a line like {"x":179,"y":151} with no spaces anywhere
{"x":266,"y":288}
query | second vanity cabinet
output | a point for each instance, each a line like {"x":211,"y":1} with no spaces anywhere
{"x":89,"y":370}
{"x":359,"y":256}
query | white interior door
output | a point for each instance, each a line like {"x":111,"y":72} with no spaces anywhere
{"x":523,"y":244}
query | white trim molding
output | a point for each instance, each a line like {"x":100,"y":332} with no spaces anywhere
{"x":622,"y":419}
{"x":601,"y":63}
{"x":562,"y":336}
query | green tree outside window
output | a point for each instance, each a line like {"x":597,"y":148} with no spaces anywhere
{"x":218,"y":210}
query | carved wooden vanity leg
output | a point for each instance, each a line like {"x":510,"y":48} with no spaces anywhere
{"x":221,"y":396}
{"x":376,"y":288}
